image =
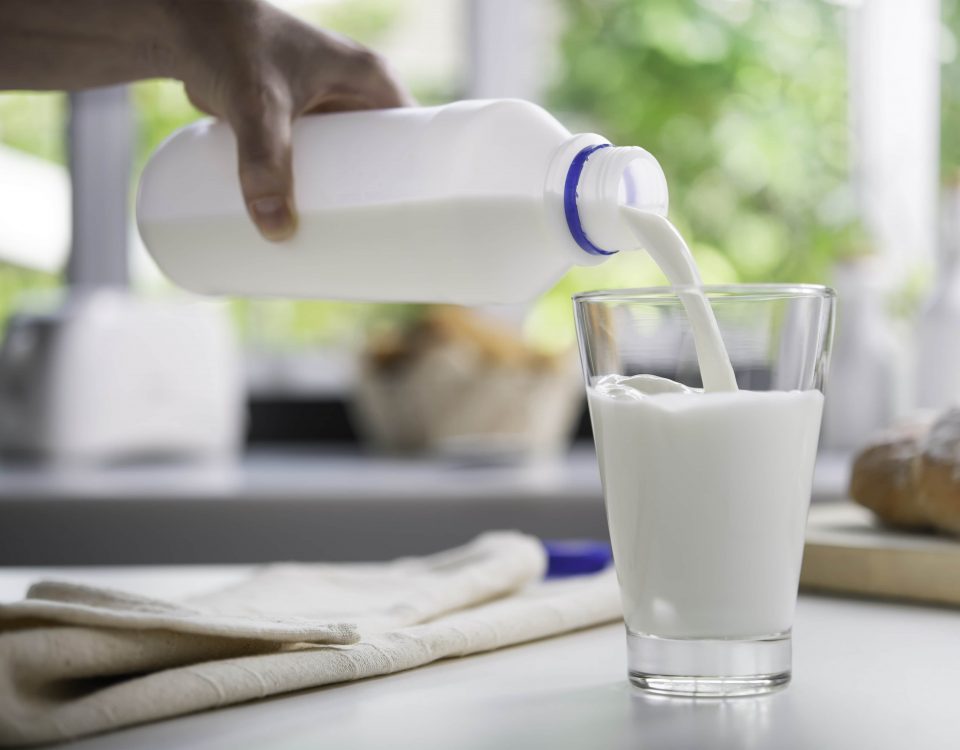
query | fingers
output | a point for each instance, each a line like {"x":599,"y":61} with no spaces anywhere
{"x":361,"y":79}
{"x":264,"y":159}
{"x":197,"y":100}
{"x":313,"y":71}
{"x":372,"y":76}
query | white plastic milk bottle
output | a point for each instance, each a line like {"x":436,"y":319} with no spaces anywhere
{"x":473,"y":202}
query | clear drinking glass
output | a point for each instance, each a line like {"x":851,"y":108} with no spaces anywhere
{"x":707,"y":493}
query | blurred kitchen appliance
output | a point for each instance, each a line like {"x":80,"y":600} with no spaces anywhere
{"x":104,"y":376}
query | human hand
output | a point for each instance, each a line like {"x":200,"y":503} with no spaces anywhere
{"x":263,"y":69}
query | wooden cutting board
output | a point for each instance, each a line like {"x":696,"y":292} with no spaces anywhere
{"x":847,"y":552}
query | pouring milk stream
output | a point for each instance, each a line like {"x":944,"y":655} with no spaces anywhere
{"x":493,"y":201}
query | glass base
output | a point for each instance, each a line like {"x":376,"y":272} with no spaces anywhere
{"x":700,"y":667}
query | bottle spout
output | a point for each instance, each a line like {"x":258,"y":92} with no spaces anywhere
{"x":606,"y":179}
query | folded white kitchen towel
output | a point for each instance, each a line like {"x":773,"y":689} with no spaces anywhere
{"x":77,"y":660}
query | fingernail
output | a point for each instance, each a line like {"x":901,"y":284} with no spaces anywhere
{"x":274,"y":217}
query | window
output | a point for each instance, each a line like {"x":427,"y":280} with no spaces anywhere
{"x":34,"y":194}
{"x":745,"y":104}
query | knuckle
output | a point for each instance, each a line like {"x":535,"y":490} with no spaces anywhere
{"x":256,"y":179}
{"x":258,"y":101}
{"x":258,"y":171}
{"x":369,"y":63}
{"x":263,"y":154}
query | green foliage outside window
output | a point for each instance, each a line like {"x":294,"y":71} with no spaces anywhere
{"x":950,"y":90}
{"x":745,"y":106}
{"x":33,"y":123}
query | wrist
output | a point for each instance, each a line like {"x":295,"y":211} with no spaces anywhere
{"x":153,"y":39}
{"x":191,"y":30}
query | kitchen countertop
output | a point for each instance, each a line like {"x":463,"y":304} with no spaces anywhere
{"x":866,"y":675}
{"x":275,"y":504}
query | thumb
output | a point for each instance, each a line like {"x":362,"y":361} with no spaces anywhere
{"x":266,"y":173}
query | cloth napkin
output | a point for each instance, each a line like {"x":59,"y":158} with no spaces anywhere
{"x":76,"y":660}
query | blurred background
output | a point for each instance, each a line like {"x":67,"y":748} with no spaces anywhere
{"x":803,"y":141}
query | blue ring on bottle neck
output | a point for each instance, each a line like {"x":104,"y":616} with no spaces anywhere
{"x":570,"y":210}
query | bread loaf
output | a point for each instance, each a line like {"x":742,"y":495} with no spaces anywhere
{"x":910,"y":477}
{"x":939,"y":480}
{"x":884,"y":478}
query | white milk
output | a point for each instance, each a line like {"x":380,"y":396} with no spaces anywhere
{"x":706,"y":497}
{"x":706,"y":491}
{"x":665,"y":245}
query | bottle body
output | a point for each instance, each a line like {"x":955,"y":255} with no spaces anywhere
{"x":459,"y":203}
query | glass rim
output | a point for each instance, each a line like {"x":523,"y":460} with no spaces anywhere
{"x":713,"y":292}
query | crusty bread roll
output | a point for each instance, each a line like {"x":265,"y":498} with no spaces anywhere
{"x":885,"y":476}
{"x":910,"y":477}
{"x":939,"y":480}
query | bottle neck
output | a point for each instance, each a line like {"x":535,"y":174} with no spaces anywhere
{"x":600,"y":180}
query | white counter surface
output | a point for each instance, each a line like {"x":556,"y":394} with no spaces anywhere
{"x":866,"y":675}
